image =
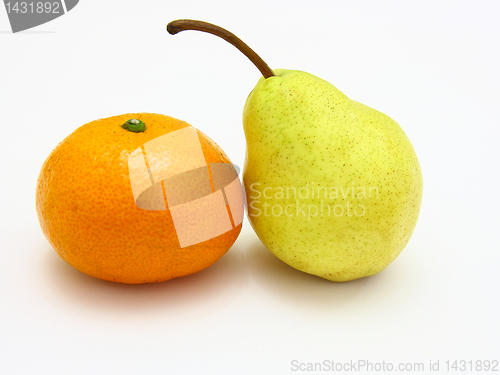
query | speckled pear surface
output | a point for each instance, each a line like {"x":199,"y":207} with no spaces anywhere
{"x":333,"y":187}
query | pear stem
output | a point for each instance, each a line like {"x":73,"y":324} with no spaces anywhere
{"x":177,"y":26}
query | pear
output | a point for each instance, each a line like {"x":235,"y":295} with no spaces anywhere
{"x":333,"y":187}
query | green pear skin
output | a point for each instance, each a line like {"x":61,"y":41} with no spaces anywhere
{"x":333,"y":187}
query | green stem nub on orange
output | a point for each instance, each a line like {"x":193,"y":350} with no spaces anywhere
{"x":134,"y":125}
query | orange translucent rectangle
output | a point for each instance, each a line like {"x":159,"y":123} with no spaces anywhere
{"x":173,"y":153}
{"x":201,"y":220}
{"x":234,"y":195}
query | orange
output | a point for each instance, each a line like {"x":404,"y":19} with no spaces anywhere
{"x":87,"y":209}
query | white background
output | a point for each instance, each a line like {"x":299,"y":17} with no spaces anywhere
{"x":431,"y":65}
